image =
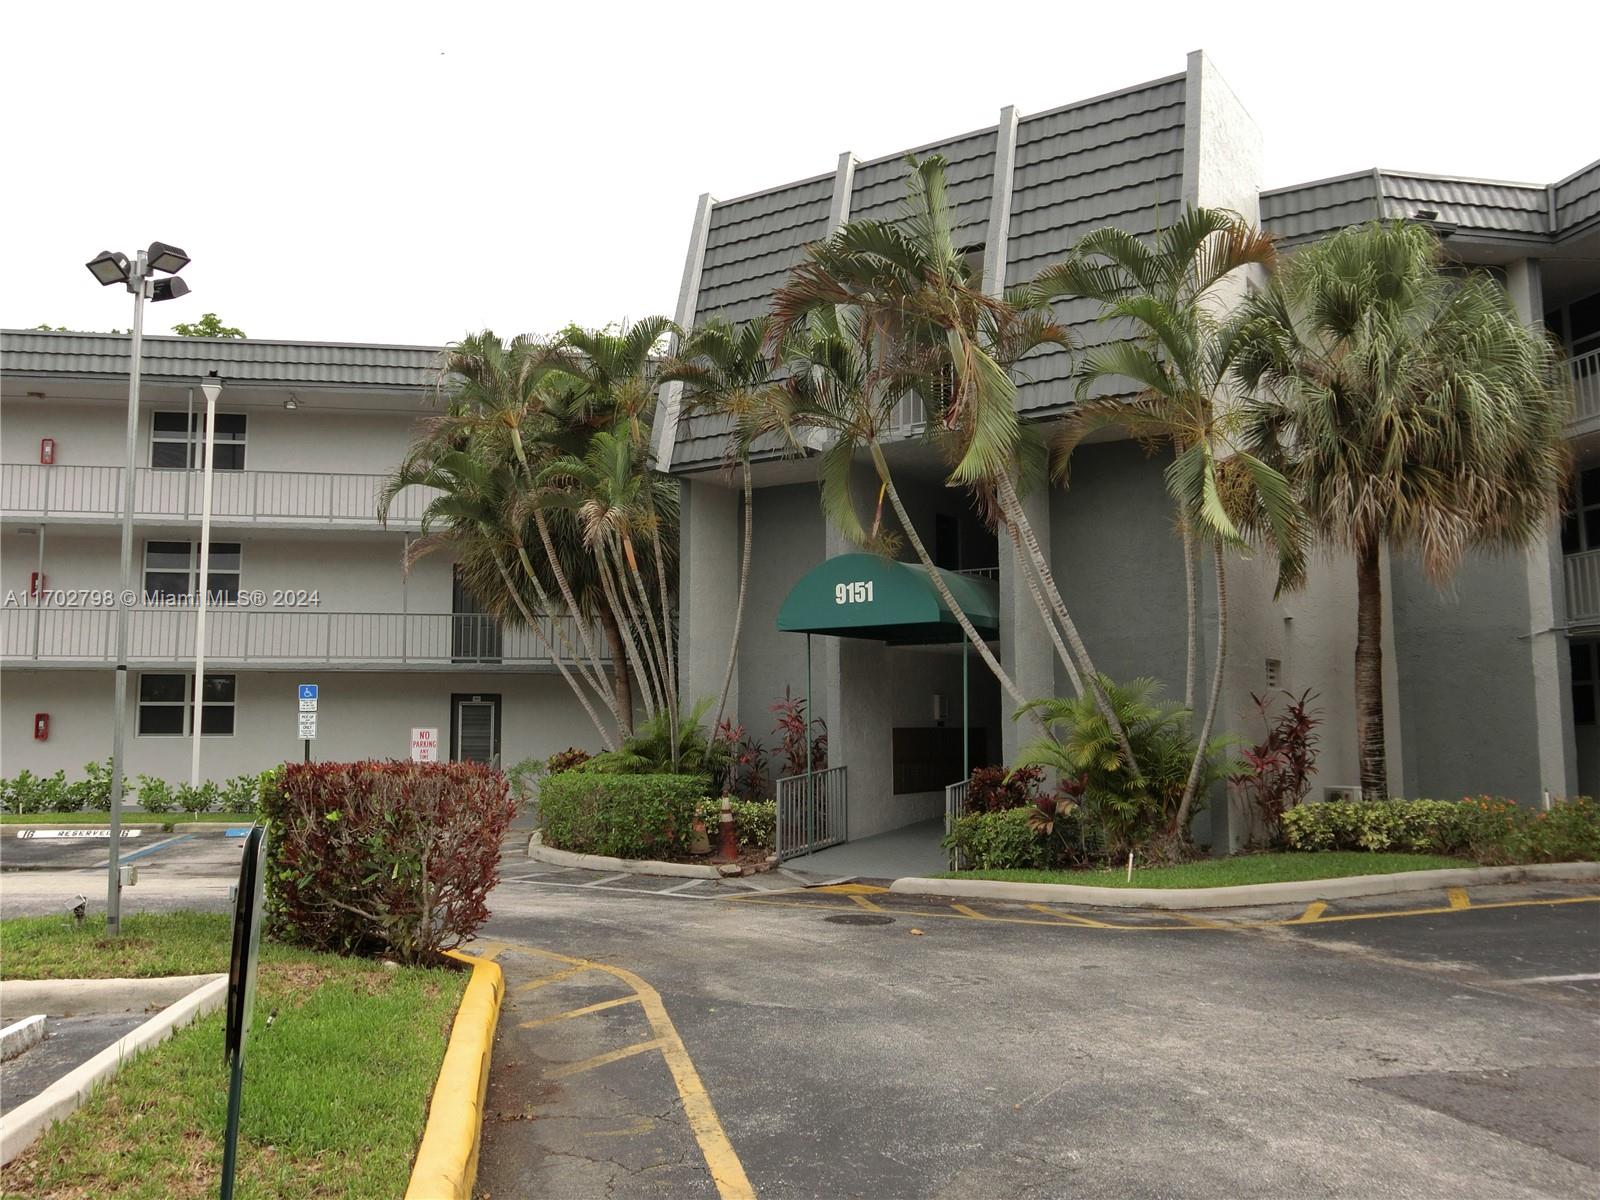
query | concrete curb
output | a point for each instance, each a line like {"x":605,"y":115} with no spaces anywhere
{"x":20,"y":1126}
{"x":1246,"y":895}
{"x":20,"y":1036}
{"x":600,"y":862}
{"x":84,"y":997}
{"x":447,"y":1160}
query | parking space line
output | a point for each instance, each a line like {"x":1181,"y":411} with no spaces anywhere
{"x":142,"y":853}
{"x":1313,"y":912}
{"x":727,"y":1172}
{"x":534,"y":985}
{"x":600,"y":1060}
{"x":578,"y":1012}
{"x":605,"y":879}
{"x":1070,"y":918}
{"x":971,"y":912}
{"x":867,"y":904}
{"x":1556,"y":979}
{"x":1458,"y":897}
{"x":681,"y":887}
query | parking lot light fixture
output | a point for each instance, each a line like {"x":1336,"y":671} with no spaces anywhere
{"x":109,"y":266}
{"x":167,"y":259}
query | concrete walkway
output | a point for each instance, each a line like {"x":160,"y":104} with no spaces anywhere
{"x":909,"y":850}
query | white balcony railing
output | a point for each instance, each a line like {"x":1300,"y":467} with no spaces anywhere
{"x":235,"y":636}
{"x":29,"y":490}
{"x":1586,"y":383}
{"x":1583,"y":586}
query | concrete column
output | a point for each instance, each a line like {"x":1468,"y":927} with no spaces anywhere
{"x":669,"y":402}
{"x":1547,"y":600}
{"x":999,"y":239}
{"x":844,"y":181}
{"x":708,"y":588}
{"x":1026,"y":652}
{"x":1221,"y":144}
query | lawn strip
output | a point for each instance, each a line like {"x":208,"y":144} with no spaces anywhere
{"x":1231,"y":872}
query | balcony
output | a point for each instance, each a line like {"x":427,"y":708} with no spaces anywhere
{"x":1583,"y":587}
{"x":236,"y":637}
{"x":290,"y":499}
{"x":1586,"y":384}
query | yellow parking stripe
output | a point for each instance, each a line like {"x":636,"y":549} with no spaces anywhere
{"x":851,"y":889}
{"x":600,"y":1060}
{"x":867,"y":904}
{"x":727,"y":1172}
{"x":534,"y":985}
{"x":1458,"y":897}
{"x":971,"y":912}
{"x":578,"y":1012}
{"x":1313,"y":912}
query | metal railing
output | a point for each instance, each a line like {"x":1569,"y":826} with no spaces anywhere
{"x":269,"y":497}
{"x":1586,"y":383}
{"x":955,"y":806}
{"x":234,"y":635}
{"x":813,"y":812}
{"x":1582,"y":572}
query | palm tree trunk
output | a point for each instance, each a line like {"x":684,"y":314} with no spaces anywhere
{"x":1191,"y":785}
{"x":539,"y":636}
{"x":668,"y":649}
{"x":621,"y":687}
{"x":564,"y":584}
{"x":1012,"y":507}
{"x":1044,"y":612}
{"x":649,"y":640}
{"x":1191,"y":579}
{"x":1369,"y":673}
{"x":625,"y":630}
{"x":939,"y":584}
{"x":738,"y":609}
{"x":589,"y":669}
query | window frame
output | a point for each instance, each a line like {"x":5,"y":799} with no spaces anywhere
{"x":186,"y":704}
{"x":194,"y":440}
{"x":192,"y":571}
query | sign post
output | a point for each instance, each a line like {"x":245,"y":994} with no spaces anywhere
{"x":242,"y":988}
{"x":424,"y":745}
{"x":307,"y":693}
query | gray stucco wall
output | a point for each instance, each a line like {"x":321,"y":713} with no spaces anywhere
{"x":1466,"y":687}
{"x":1118,"y":558}
{"x":788,"y":542}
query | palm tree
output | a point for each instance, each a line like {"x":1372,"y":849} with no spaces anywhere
{"x":925,"y":326}
{"x":729,"y":370}
{"x":1179,"y":358}
{"x":1410,"y":408}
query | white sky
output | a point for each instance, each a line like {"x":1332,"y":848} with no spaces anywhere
{"x":405,"y":173}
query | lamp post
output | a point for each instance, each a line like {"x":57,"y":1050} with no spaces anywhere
{"x":109,"y":267}
{"x":211,"y":386}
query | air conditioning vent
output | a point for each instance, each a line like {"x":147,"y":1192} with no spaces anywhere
{"x":1341,"y":792}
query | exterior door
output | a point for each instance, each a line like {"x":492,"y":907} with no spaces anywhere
{"x":475,"y":728}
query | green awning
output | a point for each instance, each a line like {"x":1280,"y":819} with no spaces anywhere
{"x":867,"y":596}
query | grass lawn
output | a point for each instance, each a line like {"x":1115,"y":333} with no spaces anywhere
{"x":1228,"y":872}
{"x":336,"y":1089}
{"x":129,"y":817}
{"x":177,"y":943}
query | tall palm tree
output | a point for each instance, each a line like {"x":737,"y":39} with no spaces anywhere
{"x":1410,"y":407}
{"x":729,"y":370}
{"x":1179,"y":357}
{"x":928,"y":326}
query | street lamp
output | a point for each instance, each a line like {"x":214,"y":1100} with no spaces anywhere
{"x":109,"y":267}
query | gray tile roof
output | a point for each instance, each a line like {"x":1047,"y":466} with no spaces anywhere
{"x":1487,"y":208}
{"x":243,"y":361}
{"x":1113,"y":159}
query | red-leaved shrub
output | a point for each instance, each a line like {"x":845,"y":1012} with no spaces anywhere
{"x":384,"y":857}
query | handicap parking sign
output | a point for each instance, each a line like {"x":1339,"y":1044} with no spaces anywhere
{"x":308,"y":691}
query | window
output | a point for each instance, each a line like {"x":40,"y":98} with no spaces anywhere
{"x":172,"y":571}
{"x":178,"y":440}
{"x":1584,"y":680}
{"x":166,"y":708}
{"x":1580,"y":524}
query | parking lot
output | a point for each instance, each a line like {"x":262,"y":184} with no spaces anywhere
{"x":40,"y":875}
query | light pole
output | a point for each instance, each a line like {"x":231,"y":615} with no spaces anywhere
{"x":109,"y":267}
{"x":211,"y":386}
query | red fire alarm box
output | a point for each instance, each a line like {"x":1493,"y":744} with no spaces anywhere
{"x":41,"y":727}
{"x":35,"y":585}
{"x":47,"y":451}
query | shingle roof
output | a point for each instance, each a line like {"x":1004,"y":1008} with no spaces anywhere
{"x":238,"y":360}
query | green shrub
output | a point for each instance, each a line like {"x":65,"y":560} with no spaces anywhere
{"x":25,"y":793}
{"x":1486,"y":829}
{"x":998,"y":840}
{"x":93,"y":791}
{"x":628,"y":816}
{"x":649,"y":750}
{"x":755,"y":822}
{"x":197,"y":799}
{"x":155,"y":795}
{"x":394,"y":857}
{"x":569,"y":759}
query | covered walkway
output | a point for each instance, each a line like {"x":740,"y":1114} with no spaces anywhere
{"x":910,"y":850}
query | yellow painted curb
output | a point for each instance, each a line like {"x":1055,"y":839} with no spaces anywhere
{"x":447,"y":1159}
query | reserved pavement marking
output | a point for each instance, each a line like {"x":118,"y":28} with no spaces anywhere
{"x":727,"y":1172}
{"x":1458,"y":897}
{"x":578,"y":1012}
{"x":534,"y":985}
{"x":147,"y":850}
{"x":600,"y":1060}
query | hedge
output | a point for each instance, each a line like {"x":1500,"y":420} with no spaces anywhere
{"x":1490,"y":830}
{"x":391,"y":857}
{"x":625,"y":816}
{"x":755,"y":822}
{"x":992,"y":841}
